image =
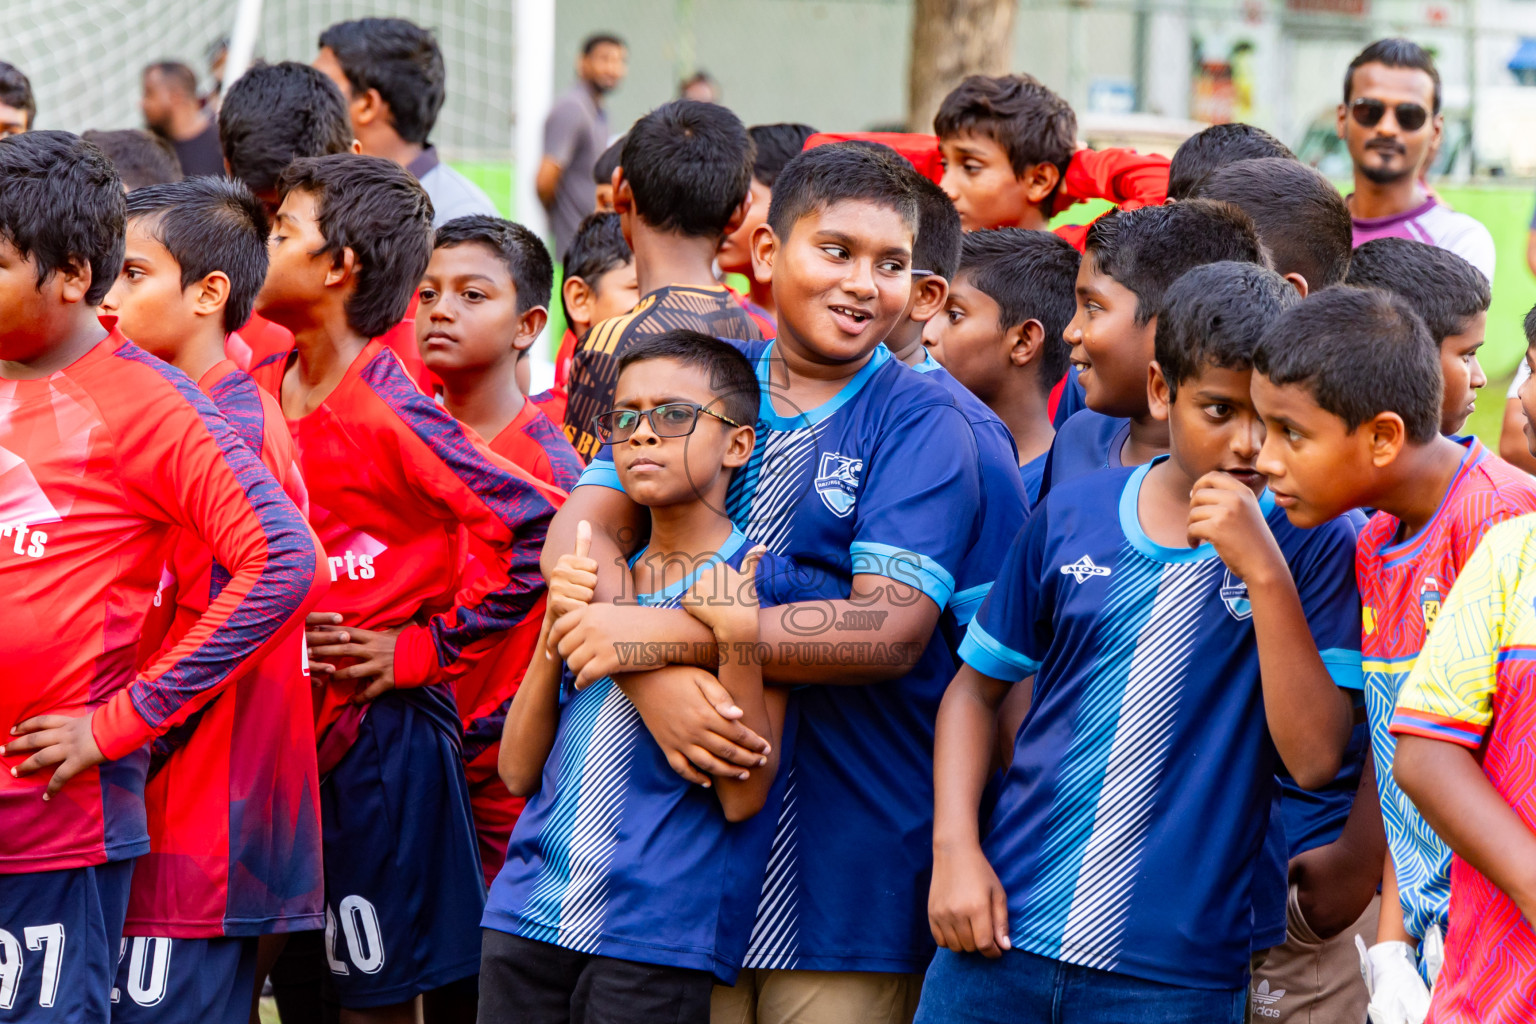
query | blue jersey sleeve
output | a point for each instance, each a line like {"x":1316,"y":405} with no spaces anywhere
{"x":1005,"y":503}
{"x":1009,"y":636}
{"x":1323,"y":566}
{"x":916,"y":516}
{"x":600,"y":471}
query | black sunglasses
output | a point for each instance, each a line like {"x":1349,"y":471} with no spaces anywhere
{"x":675,"y":419}
{"x":1368,"y":113}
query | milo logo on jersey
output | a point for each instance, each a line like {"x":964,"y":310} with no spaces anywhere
{"x":837,"y":481}
{"x":1430,"y":598}
{"x":1234,"y":594}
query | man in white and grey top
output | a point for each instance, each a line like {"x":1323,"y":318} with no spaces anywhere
{"x":575,"y":135}
{"x":390,"y":71}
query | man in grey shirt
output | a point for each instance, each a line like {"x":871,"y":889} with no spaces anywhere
{"x":390,"y":72}
{"x":575,"y":135}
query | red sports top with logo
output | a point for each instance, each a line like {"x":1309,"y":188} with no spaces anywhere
{"x":234,"y":803}
{"x":260,"y":341}
{"x":391,"y":479}
{"x":532,"y":442}
{"x":98,"y":463}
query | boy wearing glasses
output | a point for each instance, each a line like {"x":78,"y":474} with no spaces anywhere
{"x":628,"y":890}
{"x":1390,"y":120}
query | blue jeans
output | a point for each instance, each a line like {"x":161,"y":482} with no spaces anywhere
{"x":1021,"y":988}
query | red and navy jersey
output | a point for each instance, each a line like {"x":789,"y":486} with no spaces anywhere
{"x":233,"y":797}
{"x":261,"y":342}
{"x":392,"y":478}
{"x":1123,"y":176}
{"x":98,"y":463}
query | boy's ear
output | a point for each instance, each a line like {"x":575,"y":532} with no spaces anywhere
{"x":367,"y":107}
{"x":743,"y":439}
{"x":529,"y":326}
{"x":1386,"y":435}
{"x":624,"y":205}
{"x":1299,"y":283}
{"x":1024,"y":342}
{"x":74,"y":279}
{"x":1159,"y":394}
{"x":343,"y":269}
{"x":357,"y":148}
{"x":210,"y":294}
{"x":764,"y":246}
{"x":1040,"y":181}
{"x":739,"y":214}
{"x":930,"y":292}
{"x":578,"y":299}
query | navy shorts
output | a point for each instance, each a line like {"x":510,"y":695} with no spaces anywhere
{"x":403,"y":889}
{"x":185,"y":981}
{"x":59,"y":937}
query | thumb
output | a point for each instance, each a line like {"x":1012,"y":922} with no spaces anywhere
{"x":583,"y":538}
{"x":1000,"y":917}
{"x":749,"y":562}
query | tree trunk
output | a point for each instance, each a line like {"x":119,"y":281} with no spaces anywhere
{"x":950,"y":40}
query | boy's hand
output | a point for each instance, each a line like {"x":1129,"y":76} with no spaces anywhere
{"x":967,"y":908}
{"x":590,"y":638}
{"x":725,"y":599}
{"x":58,"y":740}
{"x":695,"y":722}
{"x":373,"y":649}
{"x":1224,"y":513}
{"x":574,"y":579}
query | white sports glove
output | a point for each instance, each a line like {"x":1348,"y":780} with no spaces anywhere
{"x":1398,"y":995}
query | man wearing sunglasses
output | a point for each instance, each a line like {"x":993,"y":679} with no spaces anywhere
{"x":1391,"y":121}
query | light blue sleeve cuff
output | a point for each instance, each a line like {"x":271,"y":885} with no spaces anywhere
{"x":966,"y":603}
{"x":1345,"y":668}
{"x":600,"y":474}
{"x":984,"y":654}
{"x":907,"y":567}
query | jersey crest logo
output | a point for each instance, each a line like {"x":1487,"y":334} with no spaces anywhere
{"x":837,"y":481}
{"x":1429,"y":600}
{"x":1083,"y":570}
{"x":1234,"y":594}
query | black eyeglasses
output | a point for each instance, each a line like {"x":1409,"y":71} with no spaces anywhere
{"x":1368,"y":113}
{"x":675,"y":419}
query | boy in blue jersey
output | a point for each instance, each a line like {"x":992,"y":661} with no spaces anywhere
{"x":865,"y":474}
{"x":627,"y":890}
{"x":1130,"y":260}
{"x":1000,"y":334}
{"x":1350,"y":387}
{"x":1169,"y":641}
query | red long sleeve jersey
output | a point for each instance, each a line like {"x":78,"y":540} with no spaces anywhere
{"x":1123,"y":176}
{"x":260,"y":341}
{"x":233,"y":796}
{"x":98,"y":462}
{"x":391,"y":478}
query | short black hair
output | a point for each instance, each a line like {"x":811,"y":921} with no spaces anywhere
{"x":274,"y":114}
{"x":526,"y":259}
{"x":209,"y":224}
{"x":61,"y":200}
{"x":141,"y":158}
{"x":1444,"y":289}
{"x":1301,"y":217}
{"x":937,"y":246}
{"x":1218,"y":146}
{"x":1358,"y":352}
{"x":1529,"y":325}
{"x":1030,"y":122}
{"x":379,"y":210}
{"x":731,"y":377}
{"x":689,"y":165}
{"x":16,"y":91}
{"x":597,"y":247}
{"x":1394,"y":53}
{"x":777,"y":145}
{"x":608,"y":162}
{"x":176,"y":73}
{"x":1031,"y":275}
{"x":597,"y":39}
{"x":401,"y":60}
{"x":839,"y":173}
{"x":1214,"y":316}
{"x":1148,"y":249}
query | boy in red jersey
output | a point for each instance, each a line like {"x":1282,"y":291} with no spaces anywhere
{"x":1464,"y":724}
{"x":1350,"y":388}
{"x":393,"y":481}
{"x":1011,"y":158}
{"x":773,"y":145}
{"x":234,"y":807}
{"x":483,"y":302}
{"x":106,"y":452}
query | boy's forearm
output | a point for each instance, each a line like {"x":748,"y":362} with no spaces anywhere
{"x":1309,"y":716}
{"x":1335,"y":882}
{"x":1448,"y":786}
{"x":742,"y":678}
{"x":962,"y":756}
{"x":1389,"y":923}
{"x":528,"y":735}
{"x":874,"y":636}
{"x":614,"y":519}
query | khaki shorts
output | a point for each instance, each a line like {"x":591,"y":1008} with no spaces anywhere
{"x":1310,"y":980}
{"x":817,"y":997}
